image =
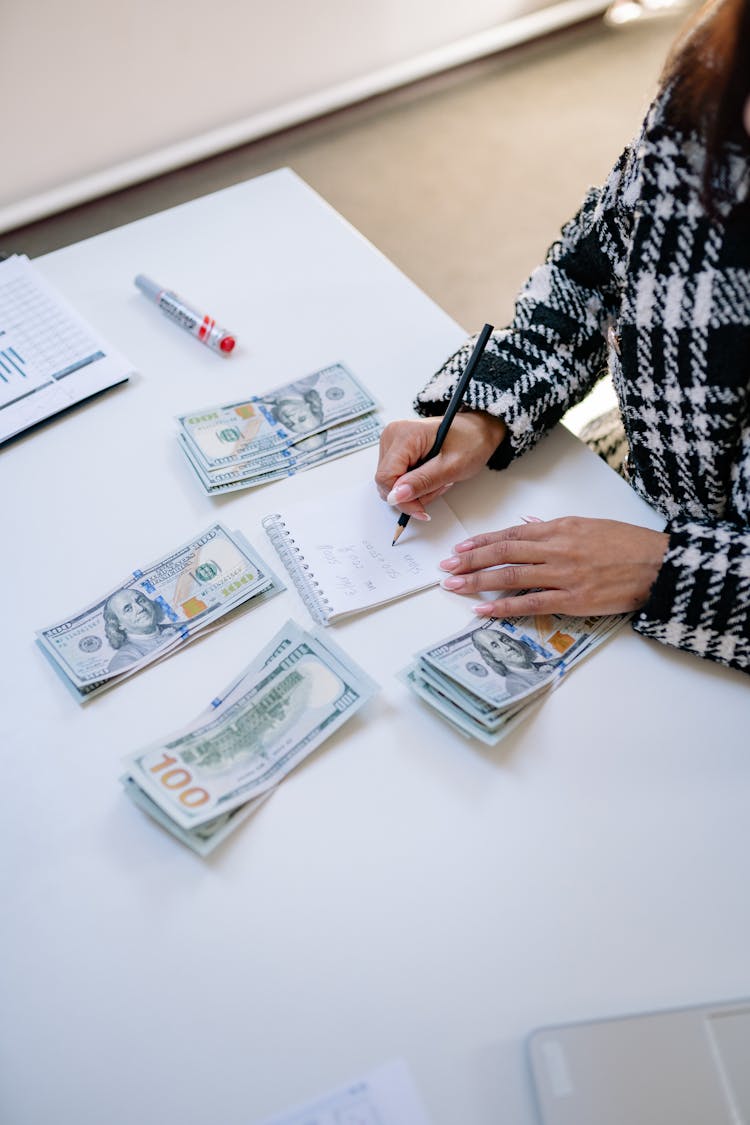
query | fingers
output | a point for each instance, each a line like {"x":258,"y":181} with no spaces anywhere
{"x":438,"y":492}
{"x":515,"y":558}
{"x":572,"y":565}
{"x":469,"y":443}
{"x":504,"y":578}
{"x":424,"y":484}
{"x":496,"y":553}
{"x":525,"y":605}
{"x":402,"y":444}
{"x":537,"y":531}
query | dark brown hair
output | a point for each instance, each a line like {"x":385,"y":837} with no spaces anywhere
{"x":708,"y":72}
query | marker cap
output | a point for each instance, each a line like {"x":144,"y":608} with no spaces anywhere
{"x":147,"y":286}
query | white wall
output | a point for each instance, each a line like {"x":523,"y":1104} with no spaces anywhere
{"x":95,"y":94}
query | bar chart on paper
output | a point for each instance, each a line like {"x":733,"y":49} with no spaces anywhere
{"x":50,"y":358}
{"x":11,"y":363}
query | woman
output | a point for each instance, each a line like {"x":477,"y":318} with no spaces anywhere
{"x":651,"y":278}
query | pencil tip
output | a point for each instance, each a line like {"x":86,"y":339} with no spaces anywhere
{"x":399,"y":529}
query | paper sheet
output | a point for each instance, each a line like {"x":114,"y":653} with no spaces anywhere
{"x":50,"y":358}
{"x":386,"y":1096}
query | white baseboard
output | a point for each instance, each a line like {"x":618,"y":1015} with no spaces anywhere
{"x":258,"y":125}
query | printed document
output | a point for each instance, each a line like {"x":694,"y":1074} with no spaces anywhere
{"x":386,"y":1096}
{"x":50,"y":358}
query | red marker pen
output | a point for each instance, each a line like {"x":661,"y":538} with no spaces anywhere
{"x":204,"y":328}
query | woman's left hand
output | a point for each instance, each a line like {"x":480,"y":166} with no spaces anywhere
{"x":583,"y":567}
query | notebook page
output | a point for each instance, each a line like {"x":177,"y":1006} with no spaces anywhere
{"x":340,"y":557}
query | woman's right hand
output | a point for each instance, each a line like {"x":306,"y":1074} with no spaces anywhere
{"x":471,"y":440}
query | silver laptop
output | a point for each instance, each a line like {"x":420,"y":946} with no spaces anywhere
{"x":690,"y":1066}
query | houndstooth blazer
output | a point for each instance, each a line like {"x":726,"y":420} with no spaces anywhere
{"x":645,"y":283}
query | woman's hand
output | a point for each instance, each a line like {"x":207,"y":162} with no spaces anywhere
{"x":578,"y":566}
{"x":471,"y":440}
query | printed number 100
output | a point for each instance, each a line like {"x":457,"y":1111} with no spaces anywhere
{"x":179,"y":778}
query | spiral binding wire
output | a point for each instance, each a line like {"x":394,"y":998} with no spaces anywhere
{"x":317,"y":603}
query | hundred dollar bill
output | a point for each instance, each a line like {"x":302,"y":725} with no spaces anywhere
{"x":287,"y":462}
{"x":220,"y":436}
{"x":157,"y":608}
{"x":487,"y":678}
{"x":290,"y":699}
{"x":234,"y":482}
{"x":473,"y":706}
{"x":306,"y":449}
{"x":204,"y":838}
{"x":460,"y":719}
{"x":505,"y":660}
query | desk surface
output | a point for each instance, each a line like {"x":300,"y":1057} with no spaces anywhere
{"x":405,"y":893}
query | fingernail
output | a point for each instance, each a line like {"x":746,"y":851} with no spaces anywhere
{"x":450,"y":564}
{"x":531,"y":519}
{"x":453,"y":583}
{"x":483,"y":610}
{"x":467,"y":545}
{"x":400,"y":493}
{"x":425,"y":517}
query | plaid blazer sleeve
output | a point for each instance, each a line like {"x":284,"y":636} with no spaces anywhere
{"x":700,"y":601}
{"x":554,"y":350}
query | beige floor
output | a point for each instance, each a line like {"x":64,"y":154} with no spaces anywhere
{"x":462,"y":180}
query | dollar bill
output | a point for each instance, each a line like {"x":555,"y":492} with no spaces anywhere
{"x":488,"y":677}
{"x":462,"y":721}
{"x":157,"y":608}
{"x":489,"y":717}
{"x":328,"y":445}
{"x":224,"y":436}
{"x":204,"y":838}
{"x":296,"y":693}
{"x":296,"y":453}
{"x":505,"y":660}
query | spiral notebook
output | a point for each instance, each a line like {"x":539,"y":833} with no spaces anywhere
{"x":340,"y":558}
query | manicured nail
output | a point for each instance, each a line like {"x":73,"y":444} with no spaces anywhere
{"x":400,"y":493}
{"x":531,"y":519}
{"x":453,"y":583}
{"x":450,"y":564}
{"x":467,"y":545}
{"x":425,"y":517}
{"x":483,"y":610}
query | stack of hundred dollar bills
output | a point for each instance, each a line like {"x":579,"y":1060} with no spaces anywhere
{"x":490,"y":676}
{"x":155,"y":610}
{"x":202,"y":781}
{"x":279,"y":433}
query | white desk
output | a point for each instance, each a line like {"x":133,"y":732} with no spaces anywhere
{"x":405,"y":893}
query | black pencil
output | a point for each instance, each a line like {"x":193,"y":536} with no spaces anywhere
{"x":456,"y":400}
